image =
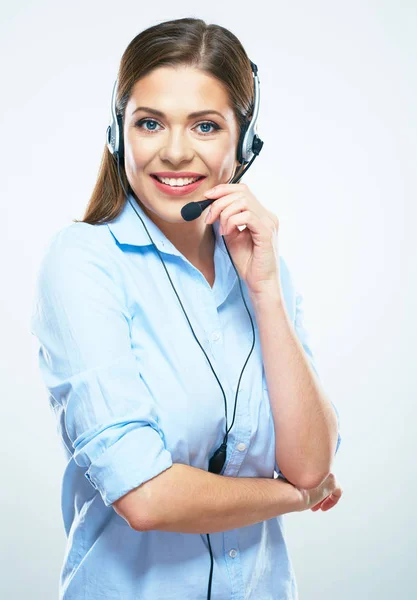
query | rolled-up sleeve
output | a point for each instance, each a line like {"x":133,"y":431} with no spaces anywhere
{"x":81,"y":320}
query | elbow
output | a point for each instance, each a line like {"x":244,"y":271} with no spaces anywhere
{"x":138,"y":522}
{"x":143,"y":524}
{"x":132,"y":508}
{"x":310,"y":483}
{"x":144,"y":508}
{"x":303,"y":480}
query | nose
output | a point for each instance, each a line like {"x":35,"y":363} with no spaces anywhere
{"x":177,"y":147}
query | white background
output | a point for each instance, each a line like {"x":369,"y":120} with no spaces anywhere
{"x":338,"y":167}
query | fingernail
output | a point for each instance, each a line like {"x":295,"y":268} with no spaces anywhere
{"x":209,"y":192}
{"x":207,"y":215}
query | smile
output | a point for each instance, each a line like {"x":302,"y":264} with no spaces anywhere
{"x":177,"y":190}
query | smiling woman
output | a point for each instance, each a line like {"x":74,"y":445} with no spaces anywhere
{"x":139,"y":409}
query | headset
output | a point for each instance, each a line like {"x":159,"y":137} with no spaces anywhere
{"x":248,"y":148}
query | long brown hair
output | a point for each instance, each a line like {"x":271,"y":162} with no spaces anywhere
{"x":189,"y":42}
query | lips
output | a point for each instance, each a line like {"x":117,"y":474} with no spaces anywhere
{"x":177,"y":174}
{"x":179,"y":190}
{"x":159,"y":177}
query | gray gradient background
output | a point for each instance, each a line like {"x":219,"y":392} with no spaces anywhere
{"x":338,"y":119}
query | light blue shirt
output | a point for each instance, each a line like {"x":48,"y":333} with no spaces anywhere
{"x":133,"y":393}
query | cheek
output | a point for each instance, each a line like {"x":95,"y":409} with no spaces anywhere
{"x":225,"y":162}
{"x":137,"y":156}
{"x":219,"y":154}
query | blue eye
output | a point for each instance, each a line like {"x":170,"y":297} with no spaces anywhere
{"x":143,"y":121}
{"x":146,"y":121}
{"x":210,"y":124}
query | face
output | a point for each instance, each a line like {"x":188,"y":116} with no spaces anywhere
{"x":174,"y":141}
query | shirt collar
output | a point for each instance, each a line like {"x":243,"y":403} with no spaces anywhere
{"x":127,"y":228}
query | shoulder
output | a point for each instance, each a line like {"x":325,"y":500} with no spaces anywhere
{"x":76,"y":252}
{"x":78,"y":241}
{"x":77,"y":235}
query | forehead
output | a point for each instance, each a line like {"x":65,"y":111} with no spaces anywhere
{"x":177,"y":90}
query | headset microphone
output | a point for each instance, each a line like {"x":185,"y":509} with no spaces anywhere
{"x":248,"y":148}
{"x":193,"y":210}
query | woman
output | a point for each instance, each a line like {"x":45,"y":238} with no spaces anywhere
{"x":157,"y":501}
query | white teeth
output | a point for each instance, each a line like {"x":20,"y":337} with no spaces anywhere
{"x":177,"y":182}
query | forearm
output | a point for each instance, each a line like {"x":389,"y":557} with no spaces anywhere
{"x":185,"y":499}
{"x":305,"y":421}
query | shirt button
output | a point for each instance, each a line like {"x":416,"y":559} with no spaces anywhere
{"x":241,"y":447}
{"x":215,"y":336}
{"x":233,"y":553}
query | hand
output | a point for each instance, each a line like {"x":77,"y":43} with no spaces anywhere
{"x":325,"y":496}
{"x":254,"y":250}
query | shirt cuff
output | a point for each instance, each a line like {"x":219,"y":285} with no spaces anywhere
{"x":133,"y":460}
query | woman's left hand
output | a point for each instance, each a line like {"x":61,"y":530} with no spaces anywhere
{"x":254,"y":250}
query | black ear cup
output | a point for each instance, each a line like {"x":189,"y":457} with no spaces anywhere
{"x":239,"y":152}
{"x":121,"y":151}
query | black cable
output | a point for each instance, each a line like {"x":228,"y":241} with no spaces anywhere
{"x":217,"y":461}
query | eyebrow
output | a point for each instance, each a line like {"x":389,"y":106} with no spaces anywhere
{"x":192,"y":115}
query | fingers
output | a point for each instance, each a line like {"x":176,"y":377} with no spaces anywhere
{"x":329,"y":501}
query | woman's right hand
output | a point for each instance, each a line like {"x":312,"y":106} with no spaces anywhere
{"x":325,"y":496}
